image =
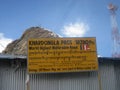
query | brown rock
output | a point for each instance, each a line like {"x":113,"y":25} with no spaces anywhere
{"x":19,"y":46}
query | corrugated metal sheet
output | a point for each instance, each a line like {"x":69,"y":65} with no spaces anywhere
{"x":117,"y":75}
{"x":64,"y":81}
{"x":107,"y":76}
{"x":10,"y":79}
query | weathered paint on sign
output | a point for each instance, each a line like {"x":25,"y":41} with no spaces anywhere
{"x":62,"y":55}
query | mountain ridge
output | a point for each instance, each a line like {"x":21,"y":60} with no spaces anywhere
{"x":19,"y":46}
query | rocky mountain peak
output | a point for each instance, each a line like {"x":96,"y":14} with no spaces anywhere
{"x":19,"y":46}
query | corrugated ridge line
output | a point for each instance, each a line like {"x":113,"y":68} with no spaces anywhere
{"x":82,"y":82}
{"x":107,"y":76}
{"x":94,"y":83}
{"x":44,"y":82}
{"x":117,"y":76}
{"x":12,"y":80}
{"x":22,"y":73}
{"x":71,"y":81}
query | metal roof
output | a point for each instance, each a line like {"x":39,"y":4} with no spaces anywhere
{"x":106,"y":59}
{"x":7,"y":56}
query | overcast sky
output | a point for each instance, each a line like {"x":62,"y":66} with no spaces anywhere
{"x":68,"y":18}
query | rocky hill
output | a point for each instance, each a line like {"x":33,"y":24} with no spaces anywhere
{"x":19,"y":46}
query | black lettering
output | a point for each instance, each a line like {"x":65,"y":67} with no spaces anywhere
{"x":66,"y":42}
{"x":39,"y":42}
{"x":84,"y":42}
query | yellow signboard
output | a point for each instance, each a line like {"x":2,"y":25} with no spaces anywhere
{"x":62,"y":55}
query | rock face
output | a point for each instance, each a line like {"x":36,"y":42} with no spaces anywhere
{"x":19,"y":46}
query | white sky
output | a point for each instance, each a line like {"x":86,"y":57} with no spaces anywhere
{"x":4,"y":42}
{"x":77,"y":29}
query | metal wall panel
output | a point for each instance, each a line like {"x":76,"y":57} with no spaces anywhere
{"x":64,"y":81}
{"x":15,"y":80}
{"x":11,"y":79}
{"x":117,"y":75}
{"x":107,"y":76}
